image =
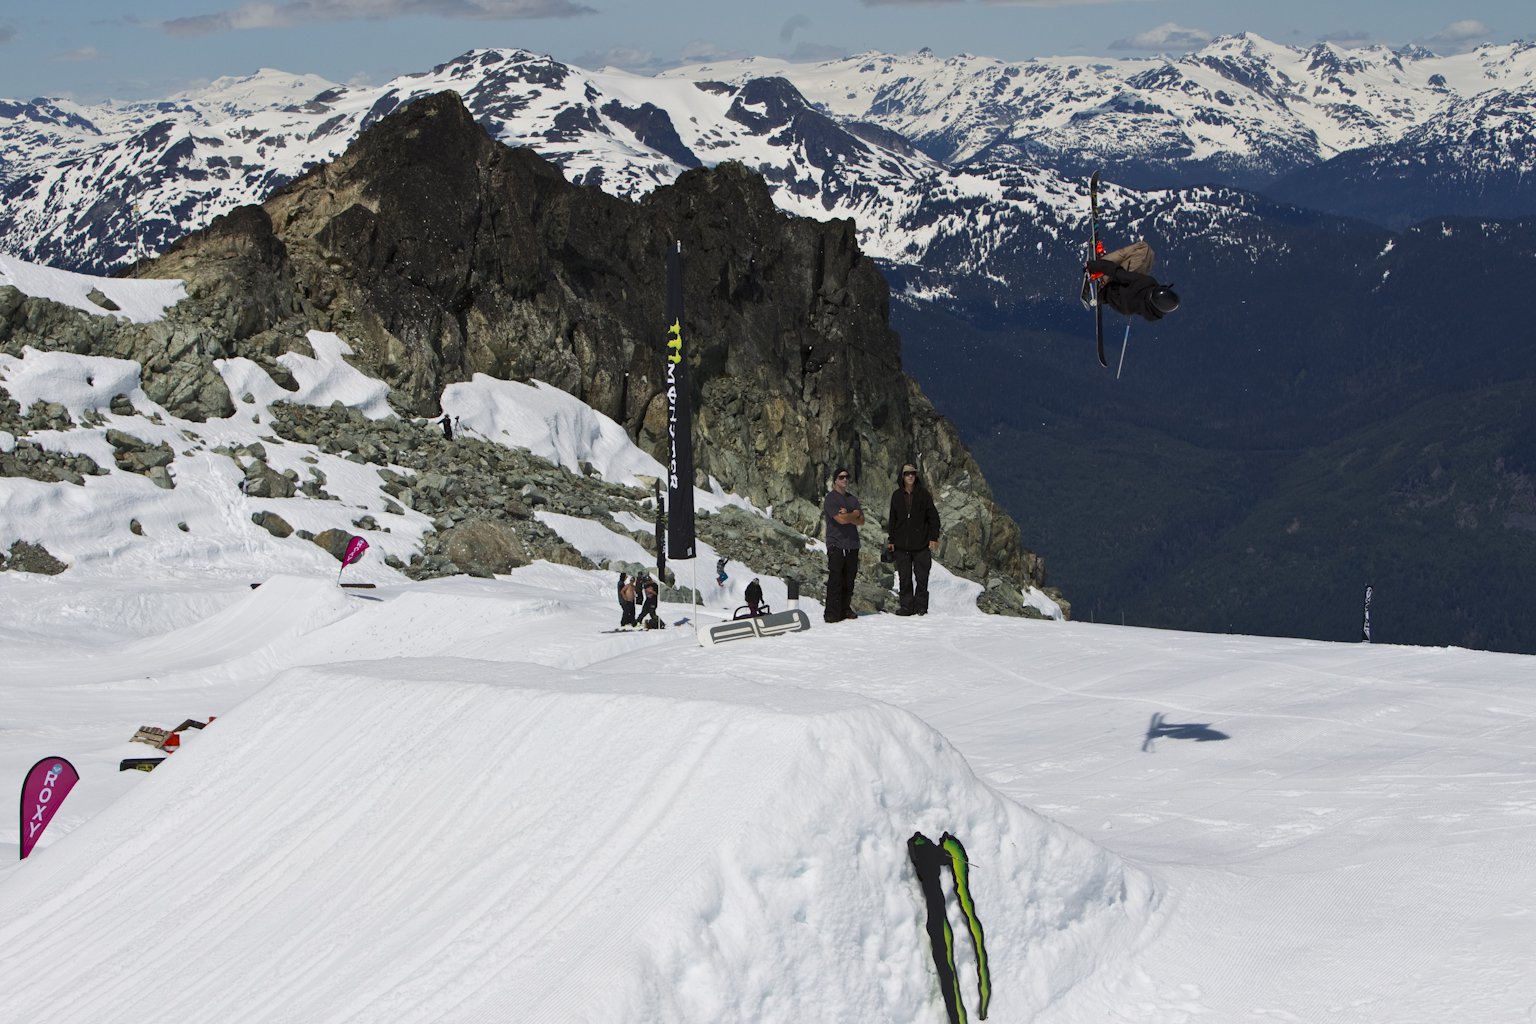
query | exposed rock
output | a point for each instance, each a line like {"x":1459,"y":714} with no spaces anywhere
{"x":483,"y":547}
{"x":262,"y":481}
{"x":176,"y":355}
{"x":29,"y":557}
{"x":335,"y":541}
{"x":26,"y":459}
{"x":134,"y":455}
{"x":96,"y":296}
{"x":273,"y":523}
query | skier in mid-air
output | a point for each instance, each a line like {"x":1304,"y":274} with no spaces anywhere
{"x":1125,"y":283}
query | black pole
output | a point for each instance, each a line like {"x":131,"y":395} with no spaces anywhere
{"x":661,"y":534}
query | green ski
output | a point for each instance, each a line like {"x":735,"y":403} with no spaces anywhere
{"x":929,"y":861}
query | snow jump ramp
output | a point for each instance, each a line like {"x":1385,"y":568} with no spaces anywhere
{"x":464,"y":841}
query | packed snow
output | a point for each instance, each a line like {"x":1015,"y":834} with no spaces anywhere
{"x":472,"y":800}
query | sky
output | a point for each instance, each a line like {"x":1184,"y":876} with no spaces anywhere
{"x":471,"y":800}
{"x":91,"y":50}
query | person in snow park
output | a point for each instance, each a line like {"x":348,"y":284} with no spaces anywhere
{"x":720,"y":576}
{"x":648,"y":610}
{"x":1125,"y":282}
{"x":844,"y":516}
{"x":755,"y":597}
{"x":447,"y":423}
{"x":626,"y":600}
{"x":912,"y":536}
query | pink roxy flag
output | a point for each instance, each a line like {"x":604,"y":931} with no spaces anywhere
{"x":355,"y":548}
{"x":46,"y":786}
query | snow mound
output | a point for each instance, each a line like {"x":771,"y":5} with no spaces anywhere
{"x":551,"y":424}
{"x":566,"y":848}
{"x":138,"y":301}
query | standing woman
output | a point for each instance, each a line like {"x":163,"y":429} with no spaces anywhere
{"x":912,"y":536}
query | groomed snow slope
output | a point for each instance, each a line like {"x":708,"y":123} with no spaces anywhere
{"x":447,"y":839}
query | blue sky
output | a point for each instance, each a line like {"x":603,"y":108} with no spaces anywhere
{"x":94,"y":49}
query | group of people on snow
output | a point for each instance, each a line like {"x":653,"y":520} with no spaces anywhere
{"x":912,"y":537}
{"x":643,"y":588}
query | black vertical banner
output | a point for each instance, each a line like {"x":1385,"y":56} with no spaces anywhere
{"x":680,"y":537}
{"x":1365,"y":630}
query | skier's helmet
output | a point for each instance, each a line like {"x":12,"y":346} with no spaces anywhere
{"x":1164,"y":300}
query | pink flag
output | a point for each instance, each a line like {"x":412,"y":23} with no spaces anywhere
{"x":355,"y":548}
{"x":46,"y":786}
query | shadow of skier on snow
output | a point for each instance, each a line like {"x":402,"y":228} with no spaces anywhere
{"x":1200,"y":732}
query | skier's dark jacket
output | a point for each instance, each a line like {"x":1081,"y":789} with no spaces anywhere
{"x":1126,"y":290}
{"x":912,"y":525}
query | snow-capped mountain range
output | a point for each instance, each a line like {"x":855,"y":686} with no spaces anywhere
{"x":918,"y":150}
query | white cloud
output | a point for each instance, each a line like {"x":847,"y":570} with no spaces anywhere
{"x":84,"y":53}
{"x":299,"y":12}
{"x":699,"y":51}
{"x":626,"y":57}
{"x":1165,"y":37}
{"x":1458,"y":36}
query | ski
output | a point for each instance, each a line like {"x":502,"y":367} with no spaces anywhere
{"x":1095,"y":250}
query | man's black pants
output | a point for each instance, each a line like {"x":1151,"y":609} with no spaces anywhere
{"x":842,"y":569}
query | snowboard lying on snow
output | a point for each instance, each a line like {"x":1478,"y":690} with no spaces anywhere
{"x":772,"y":624}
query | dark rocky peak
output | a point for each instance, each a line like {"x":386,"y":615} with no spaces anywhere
{"x":507,"y":66}
{"x":774,"y":108}
{"x":438,"y":253}
{"x":653,"y":127}
{"x":46,"y":113}
{"x":1325,"y":59}
{"x":1248,"y":71}
{"x":767,"y":104}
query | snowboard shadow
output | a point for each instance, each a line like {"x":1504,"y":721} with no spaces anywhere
{"x":1200,"y":732}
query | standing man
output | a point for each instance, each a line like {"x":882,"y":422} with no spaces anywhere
{"x":844,"y":516}
{"x":912,"y":536}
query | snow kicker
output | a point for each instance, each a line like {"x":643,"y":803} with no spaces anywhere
{"x":929,"y":860}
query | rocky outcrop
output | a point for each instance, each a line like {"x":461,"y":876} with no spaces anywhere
{"x":25,"y":556}
{"x":135,"y":455}
{"x":437,"y":253}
